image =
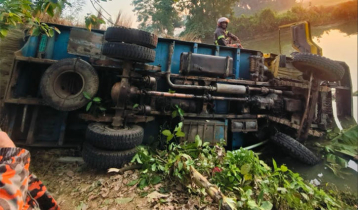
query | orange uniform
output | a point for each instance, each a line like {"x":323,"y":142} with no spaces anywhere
{"x":20,"y":190}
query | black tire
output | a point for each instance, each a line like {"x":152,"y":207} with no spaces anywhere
{"x":63,"y":83}
{"x":103,"y":159}
{"x":295,"y":149}
{"x":103,"y":136}
{"x":322,"y":68}
{"x":130,"y":52}
{"x":132,"y":36}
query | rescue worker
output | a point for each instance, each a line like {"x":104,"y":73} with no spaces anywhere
{"x":19,"y":189}
{"x":223,"y":37}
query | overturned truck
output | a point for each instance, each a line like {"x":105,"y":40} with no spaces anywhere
{"x":116,"y":89}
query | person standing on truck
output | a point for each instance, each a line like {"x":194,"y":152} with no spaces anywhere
{"x":223,"y":37}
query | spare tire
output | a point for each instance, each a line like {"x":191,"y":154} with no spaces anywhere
{"x":130,"y":52}
{"x":103,"y":136}
{"x":103,"y":159}
{"x":63,"y":83}
{"x":132,"y":36}
{"x":322,"y":68}
{"x":295,"y":149}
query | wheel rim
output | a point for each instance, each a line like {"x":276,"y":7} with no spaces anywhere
{"x":68,"y":84}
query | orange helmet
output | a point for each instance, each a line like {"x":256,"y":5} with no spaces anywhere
{"x":223,"y":19}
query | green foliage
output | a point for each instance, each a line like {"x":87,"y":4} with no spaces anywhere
{"x":178,"y":133}
{"x":249,"y":7}
{"x":341,"y":147}
{"x":239,"y":174}
{"x":17,"y":12}
{"x":94,"y":106}
{"x":267,"y":20}
{"x":157,"y":16}
{"x":42,"y":28}
{"x":202,"y":17}
{"x":177,"y":111}
{"x":92,"y":20}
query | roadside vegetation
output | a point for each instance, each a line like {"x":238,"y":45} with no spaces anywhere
{"x":233,"y":179}
{"x":268,"y":20}
{"x":248,"y":18}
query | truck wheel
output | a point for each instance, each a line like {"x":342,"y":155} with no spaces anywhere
{"x":130,"y":52}
{"x":295,"y":149}
{"x":132,"y":36}
{"x":63,"y":83}
{"x":103,"y":136}
{"x":103,"y":159}
{"x":322,"y":68}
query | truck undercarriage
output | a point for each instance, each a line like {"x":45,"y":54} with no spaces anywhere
{"x":216,"y":92}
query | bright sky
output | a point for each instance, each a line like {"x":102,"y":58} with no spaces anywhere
{"x":112,"y":7}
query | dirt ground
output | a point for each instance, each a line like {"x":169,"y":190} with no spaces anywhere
{"x":75,"y":186}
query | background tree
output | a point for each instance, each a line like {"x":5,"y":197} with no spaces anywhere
{"x":158,"y":16}
{"x":249,"y":7}
{"x":17,"y":12}
{"x":202,"y":15}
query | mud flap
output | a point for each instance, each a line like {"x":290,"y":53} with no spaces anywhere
{"x":344,"y":100}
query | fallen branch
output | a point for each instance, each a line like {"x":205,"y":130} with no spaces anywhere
{"x":126,"y":168}
{"x":212,"y":190}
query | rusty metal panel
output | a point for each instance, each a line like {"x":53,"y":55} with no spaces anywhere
{"x":85,"y":43}
{"x":293,"y":105}
{"x":208,"y":130}
{"x":248,"y":125}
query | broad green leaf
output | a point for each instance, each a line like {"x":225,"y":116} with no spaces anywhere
{"x":331,"y":158}
{"x":171,"y":91}
{"x":266,"y":205}
{"x":143,"y":183}
{"x":51,"y":32}
{"x":97,"y":99}
{"x":102,"y":108}
{"x":170,"y":137}
{"x":36,"y":31}
{"x":206,"y":144}
{"x":198,"y":141}
{"x":274,"y":164}
{"x":88,"y":106}
{"x":154,"y":167}
{"x":181,"y":112}
{"x":248,"y":177}
{"x":4,"y":32}
{"x":245,"y":169}
{"x":86,"y":95}
{"x":252,"y":204}
{"x":167,"y":133}
{"x":135,"y":106}
{"x":179,"y":126}
{"x":180,"y":165}
{"x":155,"y":180}
{"x":180,"y":134}
{"x":174,"y":114}
{"x":342,"y":162}
{"x":283,"y":168}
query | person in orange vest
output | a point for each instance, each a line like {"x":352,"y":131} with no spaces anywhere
{"x":223,"y":37}
{"x":19,"y":188}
